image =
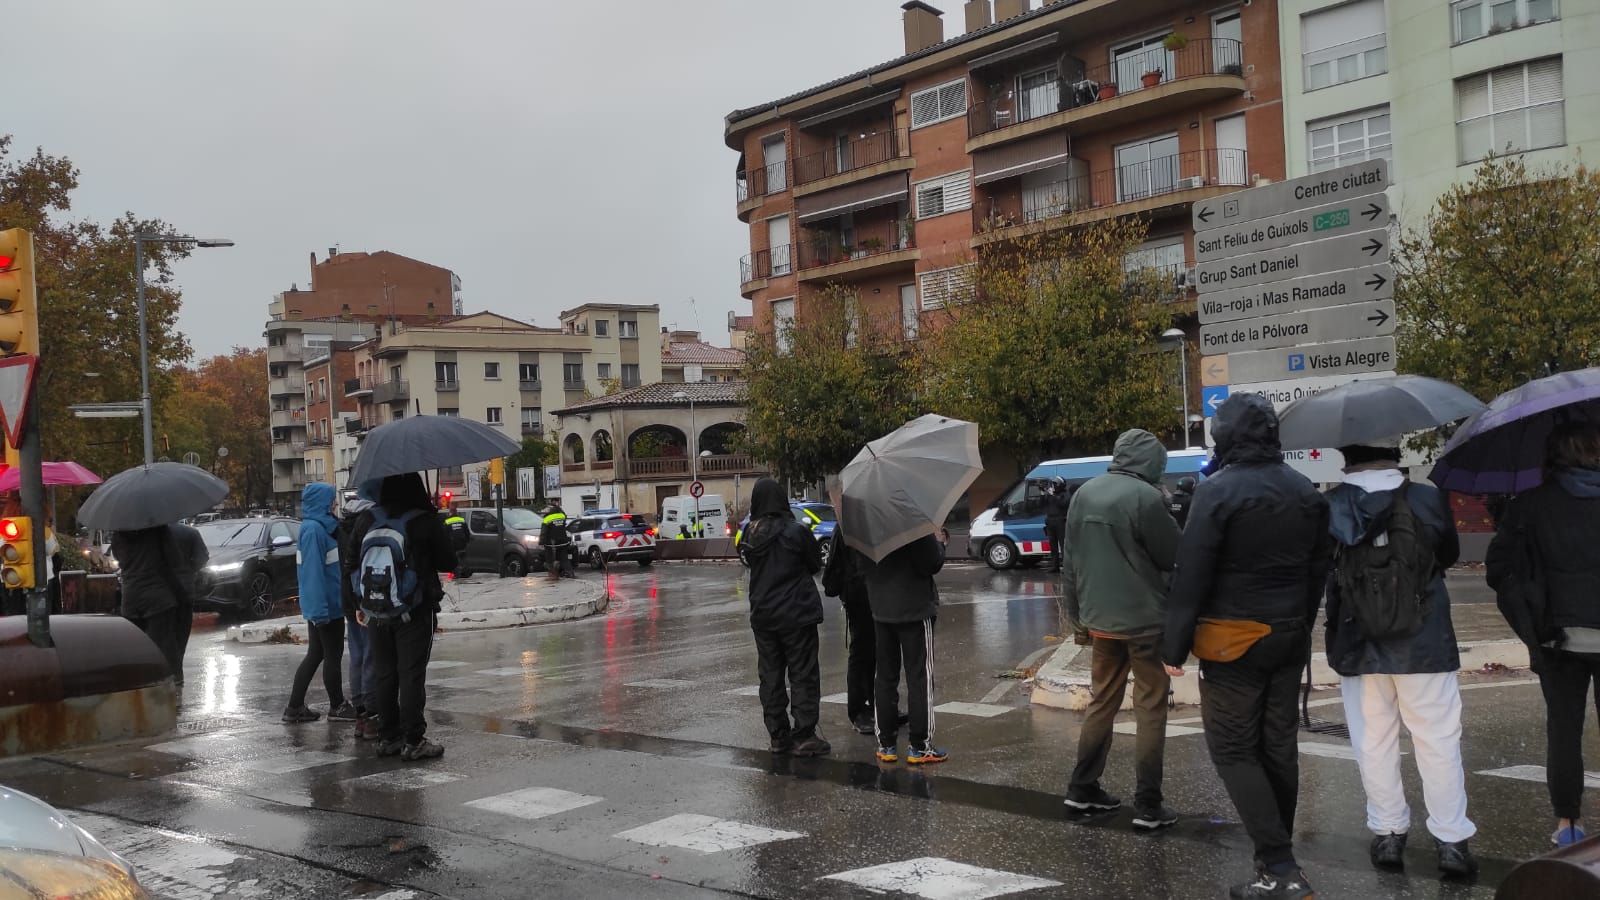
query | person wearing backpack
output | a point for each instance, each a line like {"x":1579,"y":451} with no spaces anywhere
{"x":358,"y":639}
{"x":1545,"y":571}
{"x":1391,"y":640}
{"x":404,"y":547}
{"x":317,"y":568}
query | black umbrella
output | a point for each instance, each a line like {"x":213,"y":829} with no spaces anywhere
{"x":1372,"y":409}
{"x":419,"y":443}
{"x":157,"y":494}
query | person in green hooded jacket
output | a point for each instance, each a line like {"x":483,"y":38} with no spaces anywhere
{"x":1122,"y":544}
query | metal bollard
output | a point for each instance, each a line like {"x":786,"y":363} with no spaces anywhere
{"x":1568,"y":872}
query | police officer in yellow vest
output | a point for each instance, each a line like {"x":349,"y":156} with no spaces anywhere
{"x":557,"y":543}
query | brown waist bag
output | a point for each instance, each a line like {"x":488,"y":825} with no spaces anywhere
{"x":1225,"y":640}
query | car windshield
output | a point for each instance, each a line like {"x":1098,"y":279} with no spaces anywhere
{"x":522,"y":519}
{"x":823,"y":513}
{"x":231,"y":534}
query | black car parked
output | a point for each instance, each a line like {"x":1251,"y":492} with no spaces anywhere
{"x":252,"y":565}
{"x":512,"y":551}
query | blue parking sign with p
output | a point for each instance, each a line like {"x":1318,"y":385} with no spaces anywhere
{"x":1297,"y":362}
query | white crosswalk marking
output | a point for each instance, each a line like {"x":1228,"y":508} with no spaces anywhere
{"x":534,"y":803}
{"x":753,"y":690}
{"x":444,"y":664}
{"x":1172,"y":730}
{"x":1536,"y":774}
{"x":962,"y":708}
{"x":293,"y":761}
{"x":941,"y":879}
{"x":508,"y":672}
{"x":404,"y":779}
{"x":660,"y":684}
{"x":704,"y":834}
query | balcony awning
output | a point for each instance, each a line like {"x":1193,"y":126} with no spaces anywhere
{"x":1019,"y":50}
{"x":894,"y":187}
{"x":850,"y":109}
{"x":1021,"y":157}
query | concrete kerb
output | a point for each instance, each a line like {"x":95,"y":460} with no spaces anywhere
{"x":1064,"y":681}
{"x":595,"y":601}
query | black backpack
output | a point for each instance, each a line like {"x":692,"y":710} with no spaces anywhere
{"x":1384,"y":589}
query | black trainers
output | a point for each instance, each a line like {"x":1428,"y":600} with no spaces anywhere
{"x":346,"y":712}
{"x":391,"y":748}
{"x":812,"y":746}
{"x":1151,"y":818}
{"x":782,"y":746}
{"x":1091,"y":799}
{"x":1455,"y":860}
{"x":1389,"y":851}
{"x":864,"y":724}
{"x":423,"y":749}
{"x":1269,"y":886}
{"x":299,"y":715}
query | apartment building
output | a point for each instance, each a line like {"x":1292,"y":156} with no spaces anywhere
{"x":372,"y":287}
{"x":687,"y":358}
{"x":326,"y":406}
{"x":498,"y":370}
{"x":1434,"y":86}
{"x":291,"y":344}
{"x":893,"y":179}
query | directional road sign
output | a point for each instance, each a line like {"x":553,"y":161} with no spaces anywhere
{"x":1296,"y":294}
{"x":1312,"y":224}
{"x":1329,"y":323}
{"x":1346,"y":252}
{"x":1211,"y":399}
{"x":1362,"y":179}
{"x":1337,"y":358}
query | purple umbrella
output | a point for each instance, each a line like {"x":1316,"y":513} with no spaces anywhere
{"x":1501,"y":450}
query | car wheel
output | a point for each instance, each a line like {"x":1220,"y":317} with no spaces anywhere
{"x":514,"y":567}
{"x":645,"y":563}
{"x":258,"y":596}
{"x":596,"y":560}
{"x":1000,"y":554}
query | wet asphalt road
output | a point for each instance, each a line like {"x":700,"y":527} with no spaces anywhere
{"x":623,"y":756}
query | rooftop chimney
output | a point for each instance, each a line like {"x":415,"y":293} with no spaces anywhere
{"x":924,"y":27}
{"x":1009,"y":9}
{"x":332,"y":252}
{"x":977,"y":14}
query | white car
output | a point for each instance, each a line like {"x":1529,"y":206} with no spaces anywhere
{"x":600,"y":538}
{"x":50,"y":856}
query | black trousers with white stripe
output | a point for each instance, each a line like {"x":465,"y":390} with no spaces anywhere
{"x":907,"y":645}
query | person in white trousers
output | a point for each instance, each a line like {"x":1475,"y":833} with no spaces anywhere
{"x":1395,"y":679}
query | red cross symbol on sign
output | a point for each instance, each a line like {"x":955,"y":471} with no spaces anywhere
{"x":1316,"y":454}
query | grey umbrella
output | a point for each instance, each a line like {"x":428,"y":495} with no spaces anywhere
{"x":901,"y":487}
{"x":157,"y":494}
{"x":420,"y":443}
{"x":1372,"y":409}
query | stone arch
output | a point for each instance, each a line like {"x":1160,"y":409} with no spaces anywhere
{"x":572,"y":450}
{"x":658,"y":442}
{"x":720,"y":439}
{"x":600,"y":442}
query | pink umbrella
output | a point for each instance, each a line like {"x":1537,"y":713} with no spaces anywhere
{"x":55,"y":473}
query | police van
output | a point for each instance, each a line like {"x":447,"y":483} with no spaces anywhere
{"x":1011,"y":531}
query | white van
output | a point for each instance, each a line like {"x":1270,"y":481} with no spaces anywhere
{"x":679,"y":512}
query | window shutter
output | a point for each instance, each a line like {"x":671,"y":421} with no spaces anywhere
{"x":1544,"y":80}
{"x":953,"y":99}
{"x":1547,"y":126}
{"x":938,"y":196}
{"x":958,"y":192}
{"x":1472,"y":97}
{"x":1507,"y":88}
{"x":930,"y":199}
{"x":936,"y":104}
{"x":946,"y":287}
{"x":924,"y":107}
{"x":1341,"y":25}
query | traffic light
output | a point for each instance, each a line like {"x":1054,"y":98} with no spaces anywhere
{"x":19,"y":304}
{"x":16,"y":553}
{"x":444,"y":499}
{"x":497,"y":471}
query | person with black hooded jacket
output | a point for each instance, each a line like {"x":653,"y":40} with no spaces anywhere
{"x":1252,"y":565}
{"x":845,"y":577}
{"x":785,"y":610}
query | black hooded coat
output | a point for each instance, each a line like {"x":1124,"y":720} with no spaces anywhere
{"x":784,"y":560}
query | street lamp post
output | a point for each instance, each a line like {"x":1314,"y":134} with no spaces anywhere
{"x":1176,"y":334}
{"x":139,"y":240}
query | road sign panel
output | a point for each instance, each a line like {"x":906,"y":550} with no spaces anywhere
{"x":1283,"y":363}
{"x":16,"y":386}
{"x":1296,"y":294}
{"x":1362,"y":248}
{"x":697,"y":490}
{"x":1330,"y":323}
{"x":1211,"y":398}
{"x":1310,"y":224}
{"x":1362,"y":179}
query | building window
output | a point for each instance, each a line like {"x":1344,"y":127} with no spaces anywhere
{"x":939,"y":104}
{"x":630,"y":375}
{"x":1344,"y":43}
{"x":1510,"y":110}
{"x":491,"y":371}
{"x":492,"y":415}
{"x":572,"y":373}
{"x":602,"y":327}
{"x":1132,"y":60}
{"x":603,"y":371}
{"x":532,"y":420}
{"x":946,"y":287}
{"x":322,"y":388}
{"x":945,"y":194}
{"x":1347,"y":139}
{"x":528,"y":373}
{"x":1148,"y":168}
{"x":1473,"y":19}
{"x":444,"y":372}
{"x":450,"y":413}
{"x":783,"y":323}
{"x":627,"y":328}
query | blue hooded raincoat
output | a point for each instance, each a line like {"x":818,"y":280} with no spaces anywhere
{"x":317,"y":557}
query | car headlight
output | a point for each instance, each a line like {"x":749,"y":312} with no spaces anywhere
{"x":223,"y":568}
{"x":530,"y":539}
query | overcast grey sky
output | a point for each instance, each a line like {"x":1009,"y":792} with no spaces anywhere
{"x":548,"y":152}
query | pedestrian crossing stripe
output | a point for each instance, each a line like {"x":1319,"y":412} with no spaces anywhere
{"x":1535,"y":774}
{"x":704,"y":834}
{"x":404,"y":779}
{"x":660,"y":684}
{"x":534,"y":802}
{"x":938,"y":879}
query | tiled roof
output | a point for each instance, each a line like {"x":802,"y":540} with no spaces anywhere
{"x":708,"y":393}
{"x":700,"y":353}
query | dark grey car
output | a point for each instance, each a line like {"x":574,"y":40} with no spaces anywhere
{"x":512,"y":551}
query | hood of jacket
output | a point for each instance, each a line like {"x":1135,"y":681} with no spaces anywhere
{"x":1581,"y":483}
{"x":1246,"y":430}
{"x":1140,"y":454}
{"x":316,"y":505}
{"x":1354,"y":512}
{"x":769,"y":512}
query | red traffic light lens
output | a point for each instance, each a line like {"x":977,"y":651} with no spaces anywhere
{"x":10,"y":530}
{"x":5,"y":261}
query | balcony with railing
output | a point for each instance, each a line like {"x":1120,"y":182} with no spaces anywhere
{"x":752,"y":185}
{"x":1135,"y":86}
{"x":288,"y":418}
{"x":286,"y":385}
{"x":395,"y":390}
{"x":287,"y":450}
{"x":830,"y":253}
{"x":757,"y":267}
{"x":285,"y":353}
{"x":1148,"y":186}
{"x":324,"y":440}
{"x":850,"y":161}
{"x":728,"y":464}
{"x":450,"y":386}
{"x":355,"y":387}
{"x":659,"y":467}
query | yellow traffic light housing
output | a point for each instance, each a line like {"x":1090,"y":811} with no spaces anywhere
{"x":19,"y":300}
{"x":16,"y":553}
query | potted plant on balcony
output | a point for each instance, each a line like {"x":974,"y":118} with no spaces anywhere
{"x":1151,"y":78}
{"x":1108,"y":90}
{"x":872,"y":245}
{"x":1175,"y":41}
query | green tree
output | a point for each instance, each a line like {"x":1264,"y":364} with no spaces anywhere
{"x":821,"y":387}
{"x":222,"y":402}
{"x":1056,"y":349}
{"x":1501,"y":282}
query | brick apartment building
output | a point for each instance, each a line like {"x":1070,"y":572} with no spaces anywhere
{"x":893,"y":179}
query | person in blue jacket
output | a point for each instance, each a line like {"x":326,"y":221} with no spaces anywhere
{"x":317,"y":565}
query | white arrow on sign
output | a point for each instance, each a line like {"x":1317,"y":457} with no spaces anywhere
{"x":1214,"y":402}
{"x":1345,"y":252}
{"x":1359,"y":180}
{"x":16,"y":384}
{"x":1313,"y":326}
{"x":1296,"y":294}
{"x":1297,"y":227}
